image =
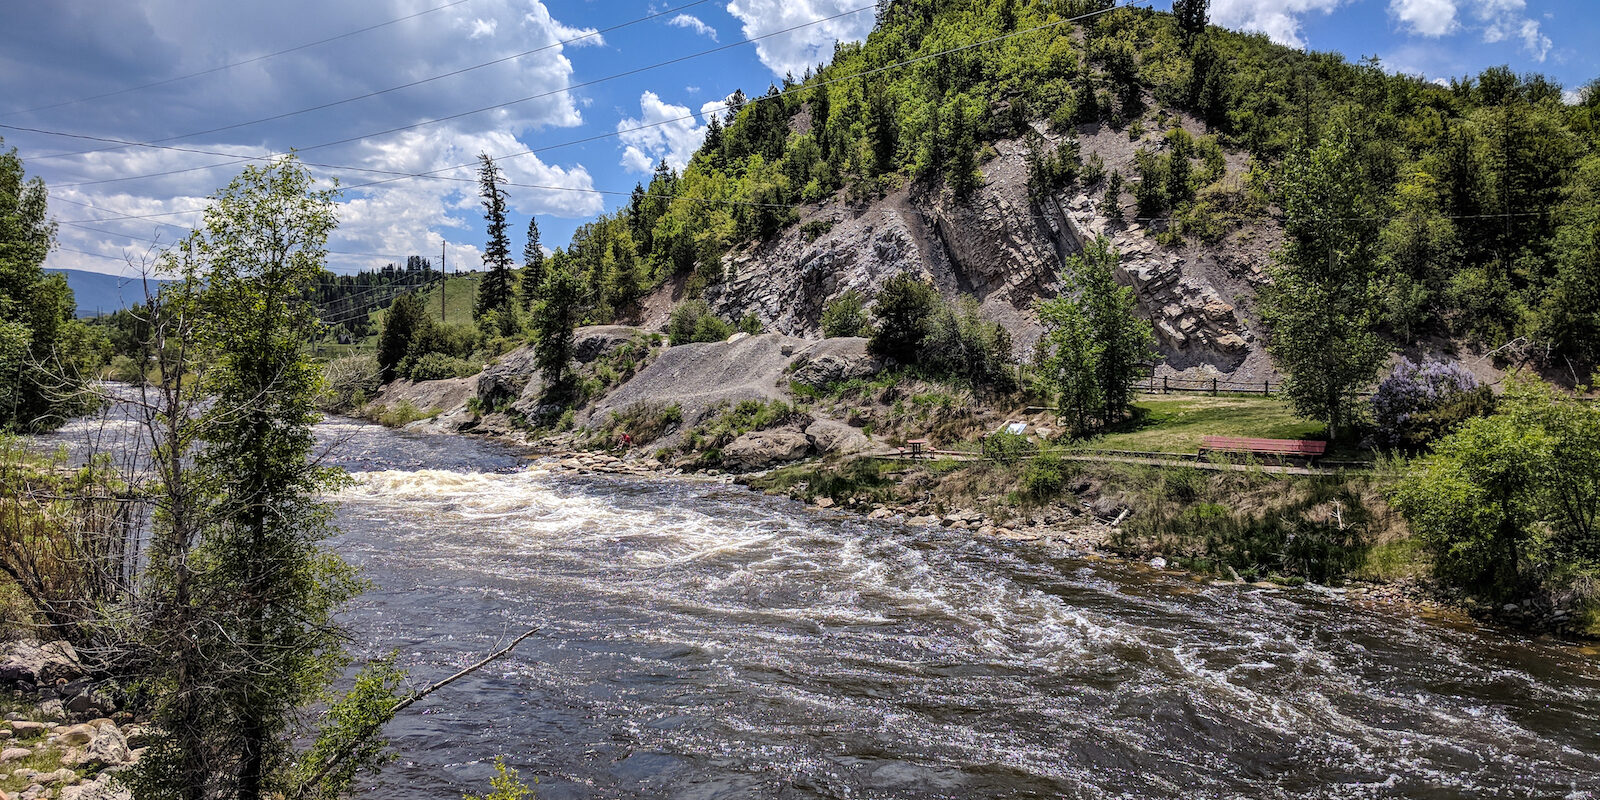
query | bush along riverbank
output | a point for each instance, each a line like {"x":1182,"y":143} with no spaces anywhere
{"x":823,"y":422}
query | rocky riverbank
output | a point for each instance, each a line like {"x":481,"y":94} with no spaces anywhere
{"x":65,"y":736}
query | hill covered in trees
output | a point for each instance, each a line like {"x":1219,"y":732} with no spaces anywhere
{"x":982,"y":143}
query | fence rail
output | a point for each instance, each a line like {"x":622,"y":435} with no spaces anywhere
{"x":1168,"y":384}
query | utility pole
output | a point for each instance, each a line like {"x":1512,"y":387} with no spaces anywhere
{"x":444,"y":280}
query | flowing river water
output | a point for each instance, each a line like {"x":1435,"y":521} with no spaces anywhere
{"x":701,"y":641}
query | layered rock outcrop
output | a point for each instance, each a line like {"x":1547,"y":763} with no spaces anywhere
{"x":1008,"y":250}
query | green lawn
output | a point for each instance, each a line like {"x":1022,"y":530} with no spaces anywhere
{"x":1176,"y":425}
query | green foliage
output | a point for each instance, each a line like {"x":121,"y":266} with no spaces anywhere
{"x":963,"y":346}
{"x":845,"y":315}
{"x":241,"y":595}
{"x":1044,"y":477}
{"x":1051,"y":169}
{"x":532,"y":276}
{"x":1509,"y":502}
{"x":1321,"y":306}
{"x":555,"y":320}
{"x":505,"y":785}
{"x":436,"y":366}
{"x":404,"y":324}
{"x":1095,"y":345}
{"x":46,"y":356}
{"x":645,"y":422}
{"x":1111,"y":203}
{"x":348,"y":742}
{"x":904,"y":313}
{"x":1008,"y":448}
{"x":693,"y":321}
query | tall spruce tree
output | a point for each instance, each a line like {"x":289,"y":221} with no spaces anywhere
{"x":494,"y":291}
{"x":555,"y":318}
{"x":532,"y":265}
{"x":1192,"y":18}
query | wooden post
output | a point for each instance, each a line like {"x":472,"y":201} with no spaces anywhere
{"x":1266,"y":388}
{"x":1213,"y":387}
{"x":1165,"y":389}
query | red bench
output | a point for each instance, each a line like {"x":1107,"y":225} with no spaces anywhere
{"x":1282,"y":448}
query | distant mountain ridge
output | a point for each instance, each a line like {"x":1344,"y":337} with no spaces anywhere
{"x":97,"y":293}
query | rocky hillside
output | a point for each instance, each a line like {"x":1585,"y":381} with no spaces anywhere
{"x":1008,"y":251}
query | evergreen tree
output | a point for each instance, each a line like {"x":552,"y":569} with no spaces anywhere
{"x":1322,"y":305}
{"x":555,"y":318}
{"x":1192,"y":18}
{"x":494,"y":291}
{"x":533,"y":264}
{"x":904,"y":312}
{"x":403,"y":324}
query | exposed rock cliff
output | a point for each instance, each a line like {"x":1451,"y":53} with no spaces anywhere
{"x":1008,"y":251}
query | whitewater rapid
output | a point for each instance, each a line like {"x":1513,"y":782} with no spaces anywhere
{"x":697,"y":640}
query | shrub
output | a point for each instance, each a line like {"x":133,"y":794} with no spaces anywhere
{"x":964,"y":347}
{"x":645,"y":422}
{"x":1044,"y":478}
{"x":1418,"y":403}
{"x":904,"y":312}
{"x":349,"y":381}
{"x":1008,"y":448}
{"x":693,"y":322}
{"x":435,"y":366}
{"x":846,"y":315}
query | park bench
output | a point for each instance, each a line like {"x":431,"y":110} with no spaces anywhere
{"x":1279,"y":448}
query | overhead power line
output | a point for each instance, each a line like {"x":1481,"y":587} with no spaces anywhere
{"x":213,"y":70}
{"x":331,"y":104}
{"x":238,"y":159}
{"x":584,"y":140}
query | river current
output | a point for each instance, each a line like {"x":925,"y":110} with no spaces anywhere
{"x":700,"y":641}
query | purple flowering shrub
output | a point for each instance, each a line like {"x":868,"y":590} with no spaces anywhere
{"x":1420,"y":402}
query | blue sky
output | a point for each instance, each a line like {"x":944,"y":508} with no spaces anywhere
{"x":127,"y":201}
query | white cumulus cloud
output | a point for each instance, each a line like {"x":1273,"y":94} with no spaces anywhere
{"x":1426,"y":17}
{"x":793,"y":52}
{"x":663,"y":131}
{"x":1278,"y":19}
{"x":1505,"y":20}
{"x":693,"y":23}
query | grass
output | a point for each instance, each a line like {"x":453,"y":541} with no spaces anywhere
{"x":1177,"y":425}
{"x":460,"y":292}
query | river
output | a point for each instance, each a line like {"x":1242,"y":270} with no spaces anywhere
{"x":701,"y":641}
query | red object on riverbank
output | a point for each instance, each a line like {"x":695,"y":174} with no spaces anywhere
{"x":1294,"y":448}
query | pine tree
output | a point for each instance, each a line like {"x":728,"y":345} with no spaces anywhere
{"x":494,"y":291}
{"x":532,"y":265}
{"x":555,"y":318}
{"x":1192,"y":19}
